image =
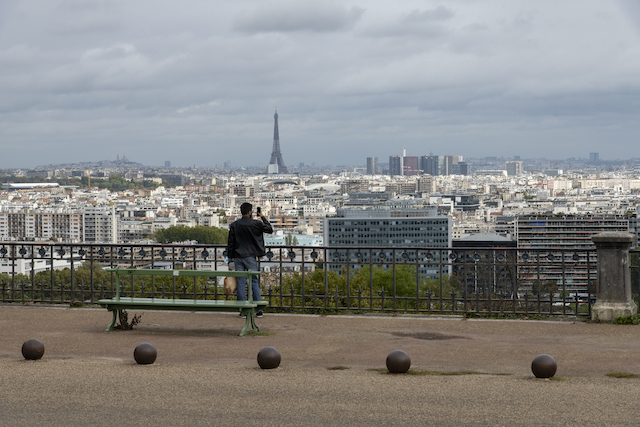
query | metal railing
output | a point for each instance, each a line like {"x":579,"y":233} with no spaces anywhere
{"x":470,"y":281}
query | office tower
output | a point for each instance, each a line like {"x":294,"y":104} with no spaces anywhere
{"x":450,"y":164}
{"x":392,"y":227}
{"x":167,"y":163}
{"x":388,"y":226}
{"x":594,"y":157}
{"x":372,"y":165}
{"x":460,"y":168}
{"x":429,"y":165}
{"x":443,"y":165}
{"x":409,"y":165}
{"x":395,"y":165}
{"x":276,"y":164}
{"x":514,"y":168}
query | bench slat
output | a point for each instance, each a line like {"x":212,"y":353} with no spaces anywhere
{"x":183,"y":273}
{"x":186,"y":303}
{"x":118,"y":304}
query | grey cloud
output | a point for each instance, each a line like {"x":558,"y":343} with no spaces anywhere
{"x":82,"y":17}
{"x":440,"y":13}
{"x":293,"y":16}
{"x":489,"y":103}
{"x":631,"y":9}
{"x":182,"y":83}
{"x":430,"y":23}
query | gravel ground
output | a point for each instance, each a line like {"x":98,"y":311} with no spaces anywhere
{"x":332,"y":371}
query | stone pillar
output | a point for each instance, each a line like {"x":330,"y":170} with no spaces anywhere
{"x":613,"y":291}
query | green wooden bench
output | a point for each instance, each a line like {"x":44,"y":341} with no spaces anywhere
{"x":247,"y":308}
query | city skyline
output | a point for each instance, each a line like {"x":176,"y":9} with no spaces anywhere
{"x":539,"y":163}
{"x":85,"y":80}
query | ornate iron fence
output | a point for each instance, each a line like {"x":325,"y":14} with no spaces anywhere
{"x":480,"y":281}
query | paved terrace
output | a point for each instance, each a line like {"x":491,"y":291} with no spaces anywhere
{"x":206,"y":375}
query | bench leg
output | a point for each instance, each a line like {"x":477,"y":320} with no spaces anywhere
{"x":253,"y":321}
{"x":250,"y":322}
{"x":113,"y":321}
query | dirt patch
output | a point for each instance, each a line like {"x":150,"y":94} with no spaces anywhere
{"x":431,"y":336}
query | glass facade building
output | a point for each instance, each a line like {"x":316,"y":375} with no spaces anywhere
{"x":381,"y":227}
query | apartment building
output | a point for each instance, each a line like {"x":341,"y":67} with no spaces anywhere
{"x":565,"y":232}
{"x":316,"y":222}
{"x":62,"y":226}
{"x":426,"y":184}
{"x":567,"y":237}
{"x":354,"y":186}
{"x":286,"y":221}
{"x":101,"y":225}
{"x":401,"y":187}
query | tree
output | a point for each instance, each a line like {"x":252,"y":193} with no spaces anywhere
{"x":199,"y":233}
{"x":290,"y":240}
{"x":449,"y":284}
{"x":376,"y":279}
{"x":548,"y":287}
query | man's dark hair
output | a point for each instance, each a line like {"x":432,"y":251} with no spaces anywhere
{"x":245,"y":208}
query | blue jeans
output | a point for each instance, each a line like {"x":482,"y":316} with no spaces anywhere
{"x":247,"y":264}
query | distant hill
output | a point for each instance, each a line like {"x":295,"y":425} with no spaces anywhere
{"x":97,"y":164}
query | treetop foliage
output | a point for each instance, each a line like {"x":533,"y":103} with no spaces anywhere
{"x":199,"y":233}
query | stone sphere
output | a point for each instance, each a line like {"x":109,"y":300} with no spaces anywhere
{"x":398,"y":362}
{"x":32,"y":349}
{"x":544,"y":366}
{"x":145,"y":353}
{"x":269,"y":358}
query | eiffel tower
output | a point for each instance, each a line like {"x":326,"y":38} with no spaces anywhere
{"x":276,"y":155}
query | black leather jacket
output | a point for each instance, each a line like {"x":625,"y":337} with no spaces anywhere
{"x":246,"y":237}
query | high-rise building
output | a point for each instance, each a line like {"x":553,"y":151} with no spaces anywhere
{"x":594,"y":157}
{"x":514,"y":168}
{"x":167,"y":163}
{"x":429,"y":165}
{"x":447,"y":163}
{"x":276,"y":164}
{"x":395,"y":165}
{"x":372,"y":166}
{"x":410,"y":166}
{"x":460,"y":168}
{"x":443,"y":165}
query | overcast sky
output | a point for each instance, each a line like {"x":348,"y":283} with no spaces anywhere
{"x":197,"y":82}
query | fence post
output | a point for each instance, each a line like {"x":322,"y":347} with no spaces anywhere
{"x":613,"y":289}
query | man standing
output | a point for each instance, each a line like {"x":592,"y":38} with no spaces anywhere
{"x":245,"y":246}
